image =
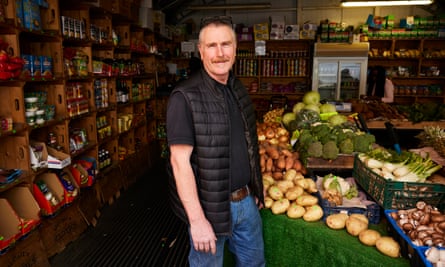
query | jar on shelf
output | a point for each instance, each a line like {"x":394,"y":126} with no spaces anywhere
{"x":31,"y":103}
{"x":30,"y":117}
{"x":40,"y":116}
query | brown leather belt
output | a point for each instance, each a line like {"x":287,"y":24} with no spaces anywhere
{"x":240,"y":194}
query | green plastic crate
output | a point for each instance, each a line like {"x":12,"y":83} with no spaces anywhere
{"x":397,"y":195}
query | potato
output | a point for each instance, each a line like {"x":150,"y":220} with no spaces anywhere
{"x":295,"y":211}
{"x":313,"y":213}
{"x":369,"y":237}
{"x":268,"y":201}
{"x":302,"y":182}
{"x":268,"y":179}
{"x":307,"y":200}
{"x":337,"y":221}
{"x":355,"y":226}
{"x":388,"y":246}
{"x":294,"y":192}
{"x":280,"y":206}
{"x":361,"y":217}
{"x":275,"y":193}
{"x":311,"y":186}
{"x":284,"y":185}
{"x":290,"y":175}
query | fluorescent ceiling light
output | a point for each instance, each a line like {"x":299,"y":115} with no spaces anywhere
{"x":231,"y":7}
{"x":385,"y":3}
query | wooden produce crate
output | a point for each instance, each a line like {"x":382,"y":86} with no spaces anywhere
{"x":341,"y":162}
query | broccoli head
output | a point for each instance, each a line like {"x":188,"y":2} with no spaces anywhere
{"x":343,"y":133}
{"x":363,"y":142}
{"x":346,"y":146}
{"x":315,"y":149}
{"x":320,"y":129}
{"x":305,"y":139}
{"x":330,"y":150}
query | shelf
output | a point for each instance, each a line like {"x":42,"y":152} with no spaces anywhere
{"x":421,"y":61}
{"x":404,"y":125}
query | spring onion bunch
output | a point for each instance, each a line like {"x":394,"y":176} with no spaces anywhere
{"x":406,"y":167}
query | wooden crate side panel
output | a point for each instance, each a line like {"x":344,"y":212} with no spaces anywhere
{"x":57,"y":232}
{"x":111,"y":184}
{"x":90,"y":204}
{"x":29,"y":252}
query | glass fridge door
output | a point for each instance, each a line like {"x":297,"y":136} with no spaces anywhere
{"x":350,"y":73}
{"x":327,"y":79}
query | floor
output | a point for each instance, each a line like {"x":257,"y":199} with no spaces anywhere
{"x":138,"y":229}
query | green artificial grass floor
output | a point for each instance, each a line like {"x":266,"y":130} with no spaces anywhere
{"x":294,"y":242}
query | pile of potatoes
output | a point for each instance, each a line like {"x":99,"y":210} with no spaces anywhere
{"x":292,"y":195}
{"x":357,"y":225}
{"x":276,"y":153}
{"x":287,"y":191}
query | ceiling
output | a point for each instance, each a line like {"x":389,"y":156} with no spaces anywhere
{"x":177,"y":11}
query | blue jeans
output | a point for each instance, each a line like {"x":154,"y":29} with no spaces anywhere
{"x":246,"y":242}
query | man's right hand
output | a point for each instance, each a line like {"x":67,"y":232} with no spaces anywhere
{"x":204,"y":239}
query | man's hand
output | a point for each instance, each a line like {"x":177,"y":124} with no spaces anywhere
{"x":204,"y":239}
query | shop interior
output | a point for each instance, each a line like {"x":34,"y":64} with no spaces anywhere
{"x":84,"y":88}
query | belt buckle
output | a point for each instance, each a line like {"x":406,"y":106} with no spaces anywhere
{"x":240,"y":194}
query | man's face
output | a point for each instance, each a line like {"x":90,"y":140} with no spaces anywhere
{"x":217,"y":48}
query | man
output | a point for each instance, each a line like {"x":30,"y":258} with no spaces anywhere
{"x":214,"y":162}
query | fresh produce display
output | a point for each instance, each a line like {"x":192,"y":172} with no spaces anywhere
{"x":424,"y":224}
{"x":10,"y":66}
{"x":335,"y":188}
{"x":292,"y":195}
{"x":357,"y":225}
{"x":372,"y":109}
{"x":287,"y":190}
{"x":273,"y":115}
{"x":419,"y":112}
{"x":328,"y":141}
{"x":404,"y":167}
{"x":435,"y":256}
{"x":319,"y":131}
{"x":288,"y":139}
{"x":416,"y":112}
{"x":276,"y":154}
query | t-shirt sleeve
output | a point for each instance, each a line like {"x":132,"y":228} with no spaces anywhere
{"x":179,"y":121}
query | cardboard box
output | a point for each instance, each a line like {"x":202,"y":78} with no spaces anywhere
{"x":19,"y":13}
{"x":39,"y":157}
{"x":308,"y":34}
{"x":292,"y":29}
{"x":31,"y":15}
{"x":49,"y":206}
{"x":276,"y":35}
{"x":25,"y":206}
{"x":70,"y":185}
{"x":57,"y":159}
{"x":261,"y":31}
{"x":244,"y":37}
{"x":9,"y":225}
